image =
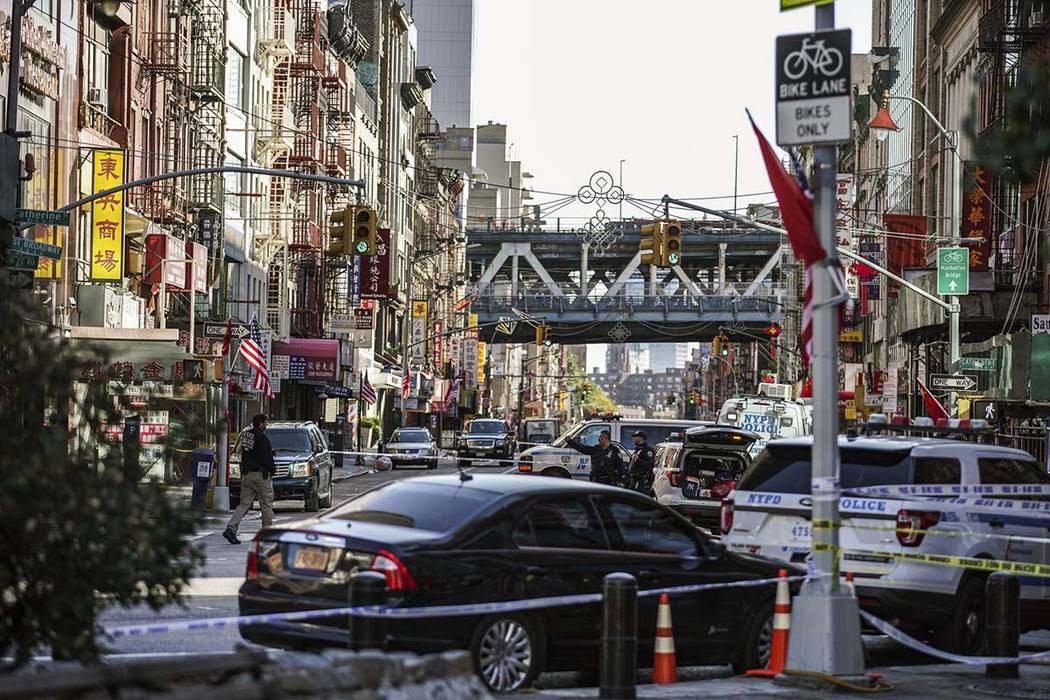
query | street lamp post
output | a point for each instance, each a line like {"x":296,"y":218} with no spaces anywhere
{"x":881,"y":126}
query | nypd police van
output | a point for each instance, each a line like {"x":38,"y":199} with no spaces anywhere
{"x":558,"y":459}
{"x":771,"y":414}
{"x":907,"y":535}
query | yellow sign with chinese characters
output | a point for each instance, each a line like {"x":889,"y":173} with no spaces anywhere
{"x":107,"y":216}
{"x":481,"y":361}
{"x":419,"y":308}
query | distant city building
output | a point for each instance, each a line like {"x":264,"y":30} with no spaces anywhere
{"x":664,"y":356}
{"x":445,"y":30}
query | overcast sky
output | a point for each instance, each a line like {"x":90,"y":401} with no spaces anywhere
{"x":660,"y":83}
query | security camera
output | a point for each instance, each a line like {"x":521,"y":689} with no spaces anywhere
{"x":73,"y":302}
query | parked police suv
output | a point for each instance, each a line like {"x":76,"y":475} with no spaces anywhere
{"x":885,"y":533}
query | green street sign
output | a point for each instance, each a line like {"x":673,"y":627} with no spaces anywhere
{"x":979,"y":364}
{"x":31,"y":247}
{"x":953,"y":271}
{"x":20,"y":261}
{"x":38,"y":216}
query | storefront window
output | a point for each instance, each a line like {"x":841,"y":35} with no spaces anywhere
{"x":39,"y":144}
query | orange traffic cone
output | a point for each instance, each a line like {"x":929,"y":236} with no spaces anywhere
{"x":850,"y":586}
{"x":781,"y":630}
{"x":664,"y":664}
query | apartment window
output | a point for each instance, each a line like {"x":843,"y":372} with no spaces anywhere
{"x":96,"y":65}
{"x":235,"y":200}
{"x":37,"y":190}
{"x":235,"y":79}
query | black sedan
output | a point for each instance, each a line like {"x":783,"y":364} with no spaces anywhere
{"x":440,"y":541}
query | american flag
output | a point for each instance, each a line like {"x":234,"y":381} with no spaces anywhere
{"x":452,"y":395}
{"x":368,"y":392}
{"x":406,"y":384}
{"x":796,"y":208}
{"x":251,"y":351}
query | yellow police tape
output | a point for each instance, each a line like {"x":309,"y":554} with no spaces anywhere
{"x":1012,"y":567}
{"x":828,"y":525}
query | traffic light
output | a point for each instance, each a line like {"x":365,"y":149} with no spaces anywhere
{"x":694,"y":397}
{"x":340,"y":223}
{"x":723,"y":346}
{"x":652,"y":240}
{"x":716,"y":345}
{"x":543,"y":336}
{"x":672,"y":243}
{"x":364,"y":228}
{"x":670,"y":399}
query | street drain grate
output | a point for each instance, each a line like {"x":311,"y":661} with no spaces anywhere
{"x":1011,"y":690}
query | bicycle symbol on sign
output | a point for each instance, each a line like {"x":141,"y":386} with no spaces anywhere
{"x":815,"y":56}
{"x":954,"y":256}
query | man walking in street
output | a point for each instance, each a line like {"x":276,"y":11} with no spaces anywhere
{"x":257,"y":468}
{"x":606,"y":464}
{"x":640,"y":472}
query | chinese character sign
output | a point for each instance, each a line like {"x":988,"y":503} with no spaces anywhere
{"x":977,"y":212}
{"x":418,"y":349}
{"x":107,"y":216}
{"x":375,"y":269}
{"x":437,"y":343}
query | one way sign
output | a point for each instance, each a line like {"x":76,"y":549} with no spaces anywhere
{"x":953,"y":382}
{"x":218,"y":330}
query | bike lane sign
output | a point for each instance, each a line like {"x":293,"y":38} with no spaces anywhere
{"x":813,"y":88}
{"x":953,"y":271}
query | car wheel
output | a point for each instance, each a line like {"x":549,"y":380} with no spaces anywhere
{"x":558,"y":473}
{"x":326,"y":502}
{"x":964,"y":633}
{"x":463,"y":463}
{"x":312,"y":504}
{"x":432,"y":464}
{"x":507,"y":651}
{"x":758,"y":643}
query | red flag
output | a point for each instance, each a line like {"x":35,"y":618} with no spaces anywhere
{"x":796,"y":209}
{"x":807,"y":389}
{"x":933,"y":406}
{"x":227,"y":337}
{"x":796,"y":205}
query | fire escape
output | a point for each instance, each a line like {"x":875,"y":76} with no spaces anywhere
{"x":1007,"y":29}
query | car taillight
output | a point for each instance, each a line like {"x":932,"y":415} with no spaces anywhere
{"x":674,"y":476}
{"x":910,"y":522}
{"x":251,"y":570}
{"x":721,"y":489}
{"x":398,"y":577}
{"x":525,"y":463}
{"x":727,"y":516}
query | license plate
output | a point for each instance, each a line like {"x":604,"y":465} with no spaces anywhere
{"x":312,"y":558}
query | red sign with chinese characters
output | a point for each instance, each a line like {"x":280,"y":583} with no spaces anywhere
{"x":161,"y":247}
{"x":977,"y":213}
{"x":375,"y":269}
{"x":197,"y":267}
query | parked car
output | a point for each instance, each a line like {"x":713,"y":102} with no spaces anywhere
{"x":304,"y":465}
{"x":486,"y":438}
{"x":694,"y":475}
{"x":771,"y":414}
{"x":412,"y":446}
{"x":558,"y":459}
{"x":770,"y":514}
{"x":440,"y":540}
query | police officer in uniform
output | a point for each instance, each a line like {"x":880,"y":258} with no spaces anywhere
{"x":606,"y":464}
{"x":640,"y":472}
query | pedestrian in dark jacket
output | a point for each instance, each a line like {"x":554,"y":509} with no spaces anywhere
{"x":257,"y":469}
{"x":606,"y":463}
{"x":640,"y":471}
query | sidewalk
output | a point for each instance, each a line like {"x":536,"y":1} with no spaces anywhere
{"x":915,"y":682}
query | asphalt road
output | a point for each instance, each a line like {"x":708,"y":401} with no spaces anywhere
{"x":214,"y":593}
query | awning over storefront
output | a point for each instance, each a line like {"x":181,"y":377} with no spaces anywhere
{"x":310,"y":358}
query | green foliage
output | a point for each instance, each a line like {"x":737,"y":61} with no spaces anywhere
{"x":596,"y":398}
{"x":375,"y":424}
{"x":79,"y":529}
{"x":1017,"y":150}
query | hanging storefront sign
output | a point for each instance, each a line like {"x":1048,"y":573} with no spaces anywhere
{"x":375,"y":269}
{"x":107,"y":216}
{"x":197,"y":267}
{"x":471,"y":354}
{"x":437,"y":344}
{"x":977,"y":213}
{"x":165,"y":259}
{"x":418,"y":341}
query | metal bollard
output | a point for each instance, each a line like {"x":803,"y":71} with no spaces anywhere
{"x":619,"y":656}
{"x":1003,"y":623}
{"x":367,"y":588}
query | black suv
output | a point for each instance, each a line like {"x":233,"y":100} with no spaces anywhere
{"x":304,"y":465}
{"x":487,"y":438}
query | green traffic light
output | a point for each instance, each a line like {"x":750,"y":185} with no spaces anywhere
{"x":674,"y":258}
{"x":362,"y":247}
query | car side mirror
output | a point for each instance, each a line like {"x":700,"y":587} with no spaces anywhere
{"x":712,"y":550}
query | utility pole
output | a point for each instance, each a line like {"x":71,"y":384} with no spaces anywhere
{"x":827,"y":631}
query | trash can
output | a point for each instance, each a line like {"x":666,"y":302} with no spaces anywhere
{"x":202,"y":467}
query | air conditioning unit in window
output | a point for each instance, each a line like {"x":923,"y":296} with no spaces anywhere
{"x":97,"y":97}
